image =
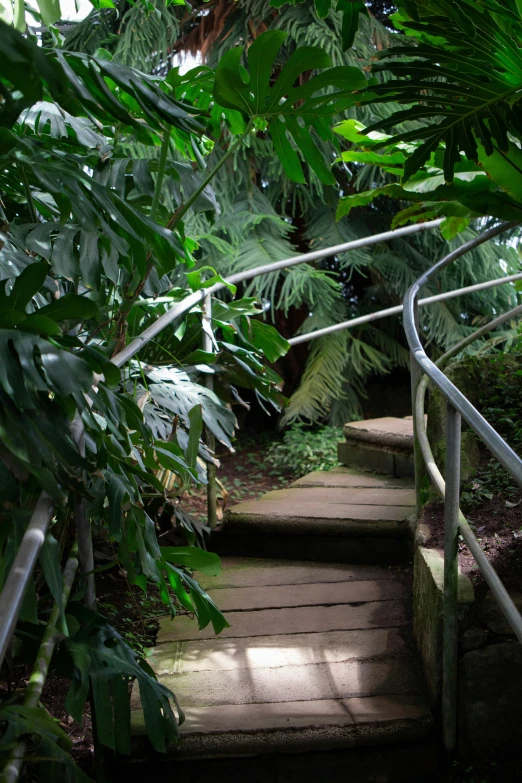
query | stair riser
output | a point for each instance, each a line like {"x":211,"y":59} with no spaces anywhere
{"x":327,"y":549}
{"x":378,"y":459}
{"x":406,"y":762}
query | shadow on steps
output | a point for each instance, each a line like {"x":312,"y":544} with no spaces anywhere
{"x":400,"y":763}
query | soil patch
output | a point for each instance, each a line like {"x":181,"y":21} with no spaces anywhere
{"x":243,"y":475}
{"x":498,"y":528}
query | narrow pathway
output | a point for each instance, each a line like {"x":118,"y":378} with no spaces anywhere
{"x":318,"y":656}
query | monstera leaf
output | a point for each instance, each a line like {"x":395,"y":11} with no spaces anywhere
{"x":52,"y":743}
{"x":490,"y":187}
{"x":293,"y":106}
{"x":44,"y":320}
{"x":461,"y":84}
{"x":85,"y":85}
{"x":104,"y":663}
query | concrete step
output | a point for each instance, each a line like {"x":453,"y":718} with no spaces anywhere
{"x":317,"y":658}
{"x":346,"y":517}
{"x":344,"y":477}
{"x":383,"y":445}
{"x":409,"y":761}
{"x":253,"y":572}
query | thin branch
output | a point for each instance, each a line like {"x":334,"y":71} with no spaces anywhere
{"x":13,"y":767}
{"x":28,"y":194}
{"x":181,"y":212}
{"x":161,"y":174}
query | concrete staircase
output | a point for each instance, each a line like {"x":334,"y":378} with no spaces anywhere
{"x":343,"y":515}
{"x":382,"y":445}
{"x":317,"y":677}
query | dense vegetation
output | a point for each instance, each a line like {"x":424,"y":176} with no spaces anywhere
{"x":123,"y":194}
{"x":267,"y":216}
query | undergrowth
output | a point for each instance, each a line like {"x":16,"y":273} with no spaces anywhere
{"x":303,"y":450}
{"x":501,"y":405}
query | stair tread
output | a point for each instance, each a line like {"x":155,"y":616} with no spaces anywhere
{"x":387,"y":431}
{"x":329,"y":511}
{"x":316,"y":664}
{"x":253,"y":572}
{"x":334,"y":496}
{"x":342,"y":477}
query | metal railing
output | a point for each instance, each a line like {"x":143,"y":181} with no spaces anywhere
{"x":12,"y":594}
{"x":424,"y":370}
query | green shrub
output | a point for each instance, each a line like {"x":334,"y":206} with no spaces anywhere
{"x":501,"y":404}
{"x":303,"y":450}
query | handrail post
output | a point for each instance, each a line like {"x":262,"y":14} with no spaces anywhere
{"x":210,"y":440}
{"x":418,"y":462}
{"x":451,"y":569}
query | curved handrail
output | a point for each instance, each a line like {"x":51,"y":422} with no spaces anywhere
{"x":490,"y":575}
{"x":396,"y":309}
{"x":25,"y":559}
{"x":454,"y":521}
{"x":24,"y":562}
{"x":498,"y":447}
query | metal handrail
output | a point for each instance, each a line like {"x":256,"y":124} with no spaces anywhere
{"x":11,"y":597}
{"x":454,"y":521}
{"x":12,"y":594}
{"x":396,"y":309}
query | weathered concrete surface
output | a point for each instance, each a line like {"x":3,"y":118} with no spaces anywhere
{"x":343,"y":477}
{"x":374,"y":457}
{"x":308,"y":619}
{"x":300,"y":677}
{"x":286,"y":511}
{"x":351,"y":524}
{"x":428,"y":589}
{"x":225,"y":729}
{"x":387,"y":431}
{"x":254,"y":572}
{"x":490,"y":707}
{"x":283,"y":650}
{"x":278,"y":596}
{"x":317,"y":497}
{"x":294,"y":683}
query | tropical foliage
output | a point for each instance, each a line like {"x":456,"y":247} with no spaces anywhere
{"x":94,"y":250}
{"x":266,"y":216}
{"x":460,"y":81}
{"x":124,"y":193}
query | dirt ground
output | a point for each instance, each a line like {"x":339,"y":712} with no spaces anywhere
{"x":498,"y":528}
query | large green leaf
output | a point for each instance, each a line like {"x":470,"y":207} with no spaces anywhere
{"x":192,"y":557}
{"x":46,"y":117}
{"x":103,"y":661}
{"x":291,"y":111}
{"x":462,"y":83}
{"x":32,"y":364}
{"x":25,"y":71}
{"x":52,"y":742}
{"x":172,"y":389}
{"x":268,"y":340}
{"x":83,"y":84}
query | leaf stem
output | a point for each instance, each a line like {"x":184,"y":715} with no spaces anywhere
{"x":14,"y":764}
{"x":181,"y":212}
{"x":171,"y":224}
{"x":28,"y":194}
{"x":161,"y":173}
